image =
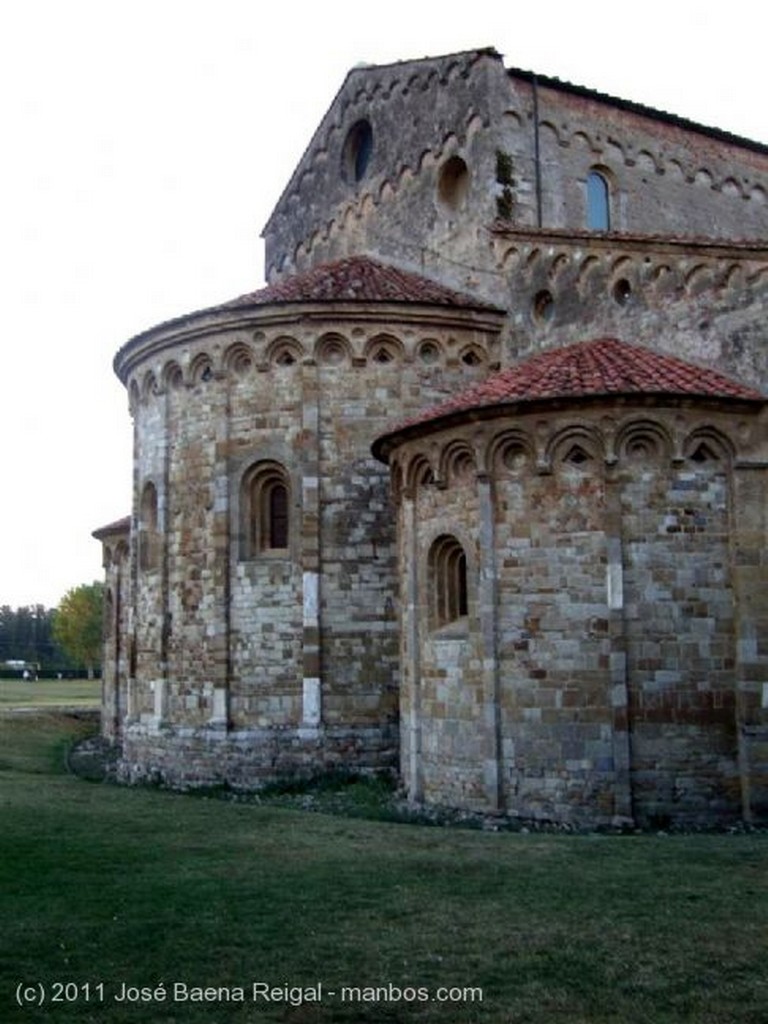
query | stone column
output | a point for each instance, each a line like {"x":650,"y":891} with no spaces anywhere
{"x":487,"y":610}
{"x":312,"y":691}
{"x":749,"y":567}
{"x":614,"y":584}
{"x":410,"y":666}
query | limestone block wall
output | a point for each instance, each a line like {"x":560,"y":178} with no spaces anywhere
{"x":115,"y":659}
{"x":253,"y":661}
{"x":608,"y":666}
{"x":704,"y":302}
{"x":452,"y":146}
{"x":554,"y":641}
{"x":749,"y":566}
{"x":420,"y":114}
{"x":443,"y":699}
{"x":664,"y":176}
{"x":265,"y":589}
{"x":679,"y":619}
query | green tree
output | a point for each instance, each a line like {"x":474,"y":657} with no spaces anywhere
{"x":77,"y":624}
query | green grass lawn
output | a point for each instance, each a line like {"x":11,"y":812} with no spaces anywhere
{"x":105,"y":886}
{"x":47,"y":692}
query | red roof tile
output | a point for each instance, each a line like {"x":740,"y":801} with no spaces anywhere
{"x":585,"y":370}
{"x":356,"y":279}
{"x":119,"y":526}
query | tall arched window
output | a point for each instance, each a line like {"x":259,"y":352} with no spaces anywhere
{"x":265,"y":509}
{"x":357,"y":151}
{"x":598,"y":202}
{"x":447,"y":581}
{"x":149,"y":542}
{"x":274,"y":509}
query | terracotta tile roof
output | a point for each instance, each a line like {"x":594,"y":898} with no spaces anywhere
{"x":587,"y":369}
{"x":119,"y":526}
{"x":356,"y":279}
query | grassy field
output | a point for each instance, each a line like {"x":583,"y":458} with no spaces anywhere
{"x":102,"y":887}
{"x":48,"y":692}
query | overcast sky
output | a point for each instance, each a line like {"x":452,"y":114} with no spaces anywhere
{"x":145,"y":145}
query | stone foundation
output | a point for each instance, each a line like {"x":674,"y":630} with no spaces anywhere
{"x":250,"y":758}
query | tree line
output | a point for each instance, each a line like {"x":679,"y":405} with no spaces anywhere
{"x":63,"y":640}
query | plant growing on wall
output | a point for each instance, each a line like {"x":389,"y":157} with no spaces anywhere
{"x":505,"y":201}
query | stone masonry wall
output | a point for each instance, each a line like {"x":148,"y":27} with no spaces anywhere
{"x":618,"y":676}
{"x":704,"y":302}
{"x":679,"y":621}
{"x":296,"y":648}
{"x":450,"y":680}
{"x":114,"y":672}
{"x":554,"y":644}
{"x":434,"y":187}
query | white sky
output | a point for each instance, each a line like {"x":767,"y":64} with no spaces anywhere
{"x":145,"y":145}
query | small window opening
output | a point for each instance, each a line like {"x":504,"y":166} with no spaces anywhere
{"x":543,"y":306}
{"x":703,"y":453}
{"x":577,"y":456}
{"x":448,"y":580}
{"x":265,"y":510}
{"x":622,"y":291}
{"x":148,"y":527}
{"x":357,"y":152}
{"x":598,"y":202}
{"x":429,"y":352}
{"x":453,"y":182}
{"x":276,"y":532}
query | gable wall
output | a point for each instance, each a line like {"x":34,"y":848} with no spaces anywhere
{"x":664,"y":179}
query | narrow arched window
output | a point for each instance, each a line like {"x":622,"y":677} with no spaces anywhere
{"x":149,"y":542}
{"x":275,"y":512}
{"x":149,"y":507}
{"x":447,"y":581}
{"x":265,"y":509}
{"x":598,"y":202}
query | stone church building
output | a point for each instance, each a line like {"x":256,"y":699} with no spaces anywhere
{"x":475,"y":488}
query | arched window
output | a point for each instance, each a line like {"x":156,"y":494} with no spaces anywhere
{"x":598,"y":202}
{"x":447,"y":581}
{"x":357,"y":151}
{"x":265,"y":509}
{"x":149,"y":542}
{"x":274,"y":508}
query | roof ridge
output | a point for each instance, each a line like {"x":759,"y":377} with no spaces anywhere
{"x":357,"y":278}
{"x":637,"y":107}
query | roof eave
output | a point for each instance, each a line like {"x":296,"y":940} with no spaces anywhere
{"x":631,"y":106}
{"x":201,"y":323}
{"x":384,"y":445}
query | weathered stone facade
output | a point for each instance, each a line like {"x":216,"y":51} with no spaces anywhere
{"x":459,"y":144}
{"x":603,"y":666}
{"x":249,"y":660}
{"x":270,"y":611}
